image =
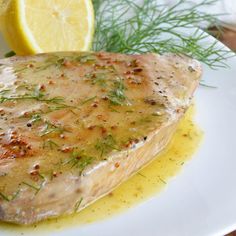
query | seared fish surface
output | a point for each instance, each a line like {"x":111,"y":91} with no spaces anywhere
{"x":73,"y":125}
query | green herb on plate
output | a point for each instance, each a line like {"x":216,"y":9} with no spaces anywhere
{"x":123,"y":26}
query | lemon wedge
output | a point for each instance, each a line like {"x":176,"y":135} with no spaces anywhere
{"x":36,"y":26}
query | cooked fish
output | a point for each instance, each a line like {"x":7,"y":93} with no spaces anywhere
{"x":73,"y":126}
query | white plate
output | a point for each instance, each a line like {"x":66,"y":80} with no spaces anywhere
{"x":201,"y":200}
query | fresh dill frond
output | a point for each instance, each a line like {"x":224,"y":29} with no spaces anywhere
{"x":4,"y":197}
{"x":125,"y":26}
{"x":51,"y":128}
{"x":78,"y":160}
{"x":117,"y":95}
{"x":36,"y":188}
{"x":35,"y":118}
{"x":105,"y":145}
{"x":50,"y":144}
{"x":34,"y":93}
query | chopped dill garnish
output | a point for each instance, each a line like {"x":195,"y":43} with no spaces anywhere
{"x":100,"y":79}
{"x":36,"y":188}
{"x":141,"y":175}
{"x":107,"y":144}
{"x":145,"y":120}
{"x":117,"y":95}
{"x":51,"y":128}
{"x":78,"y":160}
{"x":124,"y":26}
{"x":86,"y":58}
{"x":4,"y":91}
{"x":10,"y":54}
{"x":77,"y":205}
{"x":88,"y":100}
{"x":52,"y":61}
{"x":111,"y":108}
{"x":50,"y":144}
{"x":15,"y":195}
{"x":4,"y":197}
{"x":35,"y":118}
{"x":163,"y":181}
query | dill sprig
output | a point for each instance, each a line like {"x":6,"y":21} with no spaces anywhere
{"x":77,"y":205}
{"x":79,"y":160}
{"x":117,"y":95}
{"x":34,"y":94}
{"x":50,"y":144}
{"x":51,"y":128}
{"x":36,"y":188}
{"x":105,"y":145}
{"x":127,"y":27}
{"x":4,"y":197}
{"x":9,"y":198}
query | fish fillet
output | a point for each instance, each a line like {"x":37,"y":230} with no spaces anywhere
{"x":73,"y":126}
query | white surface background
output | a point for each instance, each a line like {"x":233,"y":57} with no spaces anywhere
{"x":225,"y":8}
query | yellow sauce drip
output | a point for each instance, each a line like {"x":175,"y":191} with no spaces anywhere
{"x":140,"y":187}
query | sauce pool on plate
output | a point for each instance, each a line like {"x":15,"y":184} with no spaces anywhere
{"x":145,"y":184}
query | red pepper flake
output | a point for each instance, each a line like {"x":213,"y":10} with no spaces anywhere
{"x":37,"y":167}
{"x":91,"y":127}
{"x":113,"y":127}
{"x":101,"y":117}
{"x":105,"y":98}
{"x":30,"y":66}
{"x":42,"y":87}
{"x":93,"y":76}
{"x":131,"y":143}
{"x":16,"y":83}
{"x":104,"y":130}
{"x":50,"y":82}
{"x":66,"y":149}
{"x":117,"y":165}
{"x":95,"y":105}
{"x":128,"y":72}
{"x":150,"y":101}
{"x":29,"y":125}
{"x":54,"y":174}
{"x":67,"y":64}
{"x":137,"y":70}
{"x":34,"y":172}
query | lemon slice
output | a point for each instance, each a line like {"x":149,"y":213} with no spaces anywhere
{"x":36,"y":26}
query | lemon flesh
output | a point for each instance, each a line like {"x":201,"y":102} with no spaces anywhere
{"x":31,"y":27}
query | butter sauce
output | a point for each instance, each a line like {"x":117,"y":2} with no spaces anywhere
{"x":149,"y":181}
